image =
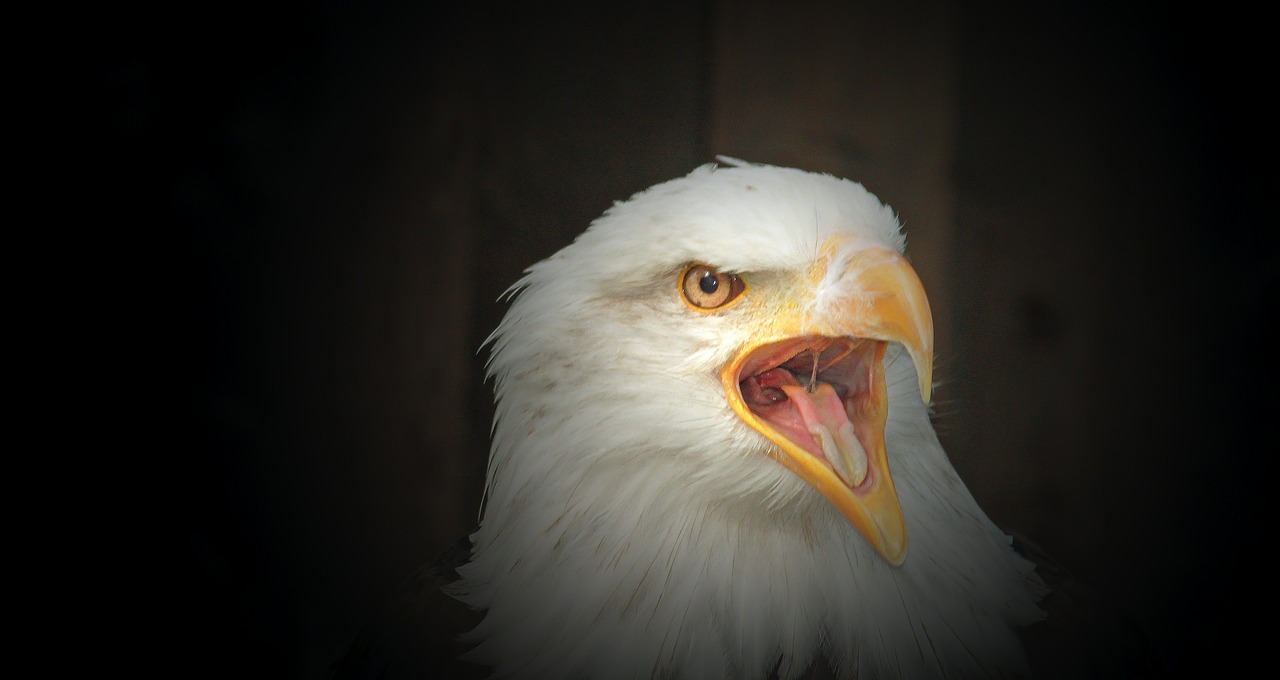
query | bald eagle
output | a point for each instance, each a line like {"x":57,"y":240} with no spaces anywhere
{"x":713,"y":455}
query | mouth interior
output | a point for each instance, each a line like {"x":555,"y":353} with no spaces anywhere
{"x":816,"y":392}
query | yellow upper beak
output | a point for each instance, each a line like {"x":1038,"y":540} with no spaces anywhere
{"x":815,"y":385}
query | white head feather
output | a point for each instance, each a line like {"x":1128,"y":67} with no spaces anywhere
{"x":633,"y":526}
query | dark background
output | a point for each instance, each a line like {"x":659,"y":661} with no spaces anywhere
{"x":319,"y":204}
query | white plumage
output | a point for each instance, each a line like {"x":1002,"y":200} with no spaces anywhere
{"x":637,"y":525}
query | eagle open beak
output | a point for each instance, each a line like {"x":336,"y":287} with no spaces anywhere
{"x":819,"y":394}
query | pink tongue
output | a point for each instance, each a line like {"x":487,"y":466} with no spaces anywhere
{"x":796,"y":416}
{"x":820,"y":407}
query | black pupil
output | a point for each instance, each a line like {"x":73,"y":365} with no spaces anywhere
{"x":709,"y":283}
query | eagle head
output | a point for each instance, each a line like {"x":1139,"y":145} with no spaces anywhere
{"x":712,"y":451}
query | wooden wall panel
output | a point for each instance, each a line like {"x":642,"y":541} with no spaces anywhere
{"x":1092,"y":234}
{"x":356,"y":186}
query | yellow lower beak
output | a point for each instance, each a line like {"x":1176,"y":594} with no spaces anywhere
{"x":820,"y":395}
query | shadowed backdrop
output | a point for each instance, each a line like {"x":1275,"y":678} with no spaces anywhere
{"x":345,"y":191}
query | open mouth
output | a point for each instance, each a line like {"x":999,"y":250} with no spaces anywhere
{"x":822,"y":395}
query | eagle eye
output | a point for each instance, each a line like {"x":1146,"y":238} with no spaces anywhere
{"x":706,"y":288}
